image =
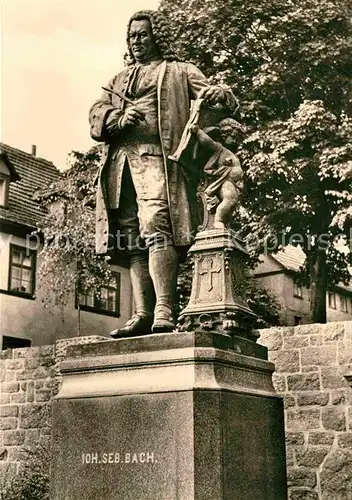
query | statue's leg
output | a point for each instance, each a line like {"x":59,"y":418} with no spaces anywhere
{"x":163,"y":266}
{"x":222,"y":214}
{"x":148,"y":175}
{"x":163,"y":259}
{"x":133,"y":245}
{"x":228,"y":195}
{"x":143,"y":298}
{"x":142,"y":285}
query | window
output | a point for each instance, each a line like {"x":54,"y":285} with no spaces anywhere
{"x":22,"y":271}
{"x":14,"y":342}
{"x":297,"y":320}
{"x":106,"y":300}
{"x":297,"y":291}
{"x":332,"y":300}
{"x":4,"y":188}
{"x":343,"y":304}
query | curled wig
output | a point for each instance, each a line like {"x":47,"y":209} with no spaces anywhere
{"x":161,"y":33}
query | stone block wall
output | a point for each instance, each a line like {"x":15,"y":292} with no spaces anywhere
{"x":29,"y":379}
{"x":311,"y":362}
{"x":27,"y":387}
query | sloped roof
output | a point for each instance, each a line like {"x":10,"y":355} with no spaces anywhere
{"x":14,"y":176}
{"x":290,"y":257}
{"x":35,"y":173}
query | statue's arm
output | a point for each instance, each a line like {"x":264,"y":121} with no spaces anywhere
{"x":103,"y":115}
{"x":205,"y":140}
{"x":197,"y":83}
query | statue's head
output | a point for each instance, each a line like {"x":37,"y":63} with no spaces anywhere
{"x":232,"y":133}
{"x":148,"y":37}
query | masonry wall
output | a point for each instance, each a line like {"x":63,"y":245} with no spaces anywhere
{"x":29,"y":379}
{"x":27,"y":387}
{"x":310,"y":362}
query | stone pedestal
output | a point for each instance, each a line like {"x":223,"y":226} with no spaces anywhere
{"x":218,"y":260}
{"x":171,"y":416}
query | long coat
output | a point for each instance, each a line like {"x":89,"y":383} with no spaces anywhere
{"x":178,"y":83}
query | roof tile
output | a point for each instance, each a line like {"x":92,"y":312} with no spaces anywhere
{"x":36,"y":173}
{"x":293,"y":258}
{"x":290,"y":257}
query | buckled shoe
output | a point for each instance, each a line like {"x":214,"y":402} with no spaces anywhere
{"x":134,"y":327}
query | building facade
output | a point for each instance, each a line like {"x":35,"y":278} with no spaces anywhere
{"x":23,"y":319}
{"x":278,"y":273}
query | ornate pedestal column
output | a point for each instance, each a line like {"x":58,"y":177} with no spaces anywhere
{"x":218,"y":265}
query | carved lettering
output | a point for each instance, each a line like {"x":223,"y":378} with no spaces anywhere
{"x":144,"y":457}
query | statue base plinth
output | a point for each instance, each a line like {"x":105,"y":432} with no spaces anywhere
{"x":218,"y":267}
{"x":160,"y":417}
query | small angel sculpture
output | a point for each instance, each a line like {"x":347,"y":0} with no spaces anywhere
{"x":223,"y":171}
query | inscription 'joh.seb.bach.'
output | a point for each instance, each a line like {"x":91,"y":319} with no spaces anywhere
{"x":144,"y":457}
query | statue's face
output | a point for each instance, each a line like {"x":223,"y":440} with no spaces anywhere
{"x":141,"y":41}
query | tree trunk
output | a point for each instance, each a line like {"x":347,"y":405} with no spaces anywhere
{"x":78,"y":319}
{"x":318,"y":286}
{"x":62,"y":314}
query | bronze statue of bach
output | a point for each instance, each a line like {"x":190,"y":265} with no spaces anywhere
{"x":143,"y":203}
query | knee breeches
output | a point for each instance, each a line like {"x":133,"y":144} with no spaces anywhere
{"x":143,"y":216}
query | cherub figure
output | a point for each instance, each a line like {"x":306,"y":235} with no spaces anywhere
{"x":225,"y":174}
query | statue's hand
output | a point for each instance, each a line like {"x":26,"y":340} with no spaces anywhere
{"x":194,"y":128}
{"x":112,"y":122}
{"x":213,"y":94}
{"x":130,"y":117}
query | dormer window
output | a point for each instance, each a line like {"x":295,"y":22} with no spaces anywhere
{"x":7,"y":175}
{"x":4,"y":190}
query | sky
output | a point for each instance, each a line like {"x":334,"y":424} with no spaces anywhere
{"x":55,"y":56}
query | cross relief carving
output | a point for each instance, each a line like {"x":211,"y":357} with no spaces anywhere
{"x":209,"y":268}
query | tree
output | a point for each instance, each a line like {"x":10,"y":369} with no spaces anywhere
{"x":68,"y":262}
{"x":263,"y":303}
{"x":289,"y":64}
{"x":32,"y":478}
